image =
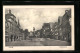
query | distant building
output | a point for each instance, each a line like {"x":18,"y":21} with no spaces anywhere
{"x":31,"y":34}
{"x":46,"y":26}
{"x":51,"y":25}
{"x":46,"y":30}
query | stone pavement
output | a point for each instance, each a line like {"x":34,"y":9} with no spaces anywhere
{"x":52,"y":42}
{"x":34,"y":42}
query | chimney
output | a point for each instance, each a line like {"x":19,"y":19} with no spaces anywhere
{"x":9,"y":11}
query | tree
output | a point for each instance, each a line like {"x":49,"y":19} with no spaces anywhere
{"x":25,"y":33}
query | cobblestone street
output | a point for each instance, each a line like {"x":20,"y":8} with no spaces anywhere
{"x":46,"y":42}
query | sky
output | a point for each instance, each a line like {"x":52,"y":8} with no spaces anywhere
{"x":35,"y":17}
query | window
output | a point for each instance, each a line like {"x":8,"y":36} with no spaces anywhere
{"x":10,"y":20}
{"x":53,"y":34}
{"x":56,"y":30}
{"x":11,"y":16}
{"x":60,"y":33}
{"x":51,"y":30}
{"x":44,"y":30}
{"x":56,"y":34}
{"x":55,"y":26}
{"x":60,"y":29}
{"x":8,"y":25}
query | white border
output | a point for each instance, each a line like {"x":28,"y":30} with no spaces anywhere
{"x":40,"y":48}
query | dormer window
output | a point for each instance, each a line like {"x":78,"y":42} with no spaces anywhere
{"x":9,"y":20}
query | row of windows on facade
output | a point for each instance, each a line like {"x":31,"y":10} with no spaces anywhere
{"x":10,"y":24}
{"x":11,"y":27}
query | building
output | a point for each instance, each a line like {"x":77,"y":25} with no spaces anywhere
{"x":55,"y":30}
{"x":31,"y":34}
{"x":52,"y":26}
{"x":46,"y":30}
{"x":64,"y":26}
{"x":60,"y":37}
{"x":12,"y":27}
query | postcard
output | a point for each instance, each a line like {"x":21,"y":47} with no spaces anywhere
{"x":38,"y":27}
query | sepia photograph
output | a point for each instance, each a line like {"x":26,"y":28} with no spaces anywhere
{"x":38,"y":27}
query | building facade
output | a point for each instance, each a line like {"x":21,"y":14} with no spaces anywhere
{"x":55,"y":30}
{"x":12,"y":27}
{"x":46,"y":30}
{"x":64,"y":26}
